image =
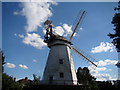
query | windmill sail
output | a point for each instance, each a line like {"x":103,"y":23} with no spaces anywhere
{"x":84,"y":56}
{"x":80,"y":19}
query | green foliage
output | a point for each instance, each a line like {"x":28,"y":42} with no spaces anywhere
{"x":9,"y":84}
{"x":116,"y":22}
{"x":84,"y":77}
{"x":108,"y":85}
{"x":36,"y":80}
{"x":7,"y":81}
{"x":2,"y":59}
{"x":117,"y":84}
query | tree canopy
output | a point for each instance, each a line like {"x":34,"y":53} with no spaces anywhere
{"x":84,"y":77}
{"x":116,"y":21}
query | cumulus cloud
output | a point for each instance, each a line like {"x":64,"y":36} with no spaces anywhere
{"x":10,"y":65}
{"x":96,"y":72}
{"x":107,"y":62}
{"x":103,"y":77}
{"x":35,"y":13}
{"x":101,"y":69}
{"x":68,"y":29}
{"x":59,"y":30}
{"x":103,"y":47}
{"x":101,"y":65}
{"x":23,"y":66}
{"x":34,"y":40}
{"x":63,"y":30}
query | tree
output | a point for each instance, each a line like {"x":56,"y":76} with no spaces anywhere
{"x":2,"y":59}
{"x":106,"y":85}
{"x":1,"y":67}
{"x":116,"y":22}
{"x":36,"y":79}
{"x":8,"y":83}
{"x":84,"y":77}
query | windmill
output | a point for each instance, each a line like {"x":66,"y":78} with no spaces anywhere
{"x":59,"y":68}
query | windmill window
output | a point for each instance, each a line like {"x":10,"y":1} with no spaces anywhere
{"x":60,"y":61}
{"x":61,"y":75}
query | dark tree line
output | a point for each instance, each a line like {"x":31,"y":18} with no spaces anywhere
{"x":116,"y":22}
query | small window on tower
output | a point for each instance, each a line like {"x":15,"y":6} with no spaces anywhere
{"x":61,"y":75}
{"x":61,"y":61}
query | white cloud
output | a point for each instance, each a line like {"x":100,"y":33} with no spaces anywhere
{"x":103,"y":47}
{"x":68,"y":29}
{"x":98,"y":75}
{"x":34,"y":61}
{"x":34,"y":40}
{"x":20,"y":35}
{"x":102,"y":77}
{"x":44,"y":31}
{"x":23,"y":66}
{"x":63,"y":30}
{"x":36,"y":13}
{"x":97,"y":72}
{"x":59,"y":30}
{"x":15,"y":13}
{"x":101,"y":69}
{"x":15,"y":34}
{"x":81,"y":28}
{"x":10,"y":65}
{"x":94,"y":70}
{"x":107,"y":62}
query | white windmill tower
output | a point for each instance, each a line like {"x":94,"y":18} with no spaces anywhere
{"x":59,"y":69}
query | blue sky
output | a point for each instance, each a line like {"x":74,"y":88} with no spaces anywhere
{"x":22,"y":30}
